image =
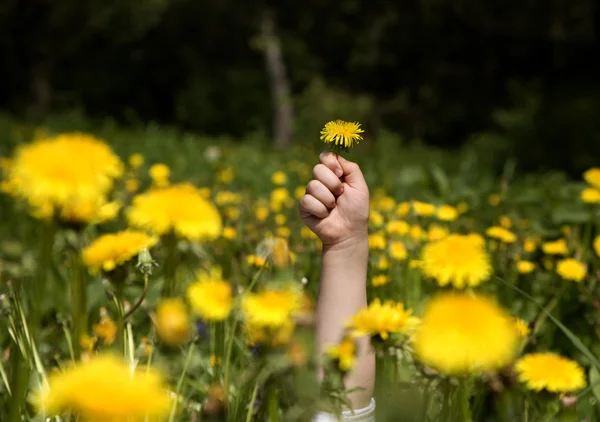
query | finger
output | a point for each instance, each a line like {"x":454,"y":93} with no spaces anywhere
{"x":320,"y":192}
{"x":309,"y":205}
{"x":330,"y":160}
{"x":324,"y":175}
{"x":352,"y":173}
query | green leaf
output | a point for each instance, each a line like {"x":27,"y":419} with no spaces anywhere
{"x":595,"y":381}
{"x":574,"y":339}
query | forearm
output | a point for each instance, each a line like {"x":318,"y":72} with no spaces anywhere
{"x":342,"y":293}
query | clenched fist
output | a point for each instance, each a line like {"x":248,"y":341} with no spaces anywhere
{"x":336,"y":204}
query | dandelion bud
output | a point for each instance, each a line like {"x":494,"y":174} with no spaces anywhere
{"x":145,"y":262}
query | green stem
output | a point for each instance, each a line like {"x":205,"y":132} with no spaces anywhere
{"x":170,"y":286}
{"x":425,"y":405}
{"x":39,"y":292}
{"x":252,"y":402}
{"x":273,"y":404}
{"x":463,"y":401}
{"x":78,"y":302}
{"x":140,"y":299}
{"x":446,"y":391}
{"x":19,"y":381}
{"x":188,"y":359}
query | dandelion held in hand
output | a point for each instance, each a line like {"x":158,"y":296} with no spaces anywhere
{"x":341,"y":135}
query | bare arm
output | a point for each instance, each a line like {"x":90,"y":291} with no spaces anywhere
{"x":336,"y":208}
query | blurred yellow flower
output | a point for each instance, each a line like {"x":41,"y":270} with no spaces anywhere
{"x":597,"y":245}
{"x":380,"y":280}
{"x":279,"y":252}
{"x":590,"y":195}
{"x":132,"y":185}
{"x":376,"y":218}
{"x":261,"y":213}
{"x":232,"y":213}
{"x":377,"y":241}
{"x":106,"y":330}
{"x":92,"y":211}
{"x":403,"y":209}
{"x":114,"y":249}
{"x":343,"y":354}
{"x":557,"y":247}
{"x":270,"y":308}
{"x":159,"y":173}
{"x":172,"y":322}
{"x":135,"y":160}
{"x":505,"y":222}
{"x":383,"y":263}
{"x":256,"y":261}
{"x":280,"y":219}
{"x":229,"y":233}
{"x":525,"y":267}
{"x":387,"y":203}
{"x":283,"y":232}
{"x":465,"y":333}
{"x":551,"y":372}
{"x":398,"y":227}
{"x":179,"y":209}
{"x":417,"y":233}
{"x":87,"y":343}
{"x":226,"y":197}
{"x":447,"y":213}
{"x":494,"y":199}
{"x":423,"y":209}
{"x":529,"y":245}
{"x":299,"y":192}
{"x":307,"y":233}
{"x":210,"y":296}
{"x":279,"y":198}
{"x":460,"y":260}
{"x":571,"y":269}
{"x":279,"y":178}
{"x":592,"y":176}
{"x":502,"y":234}
{"x":381,"y":320}
{"x":436,"y":232}
{"x":342,"y":134}
{"x":270,"y":336}
{"x":415,"y":263}
{"x":398,"y":251}
{"x":215,"y":360}
{"x":63,"y":172}
{"x":106,"y":389}
{"x":225,"y":176}
{"x":521,"y":326}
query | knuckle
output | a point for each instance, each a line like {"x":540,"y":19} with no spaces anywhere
{"x":312,"y":185}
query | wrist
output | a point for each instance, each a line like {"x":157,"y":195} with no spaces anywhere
{"x":357,"y":241}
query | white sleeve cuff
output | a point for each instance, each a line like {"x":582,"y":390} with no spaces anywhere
{"x":366,"y":414}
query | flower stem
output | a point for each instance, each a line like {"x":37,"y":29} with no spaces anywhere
{"x":180,"y":382}
{"x":120,"y":301}
{"x":78,"y":302}
{"x":39,"y":292}
{"x":252,"y":402}
{"x":140,"y":299}
{"x":18,"y":382}
{"x":463,"y":396}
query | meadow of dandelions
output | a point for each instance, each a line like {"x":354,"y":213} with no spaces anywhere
{"x":129,"y":294}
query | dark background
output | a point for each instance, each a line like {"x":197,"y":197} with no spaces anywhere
{"x":515,"y":78}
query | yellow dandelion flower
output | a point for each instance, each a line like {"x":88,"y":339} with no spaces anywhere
{"x":106,"y":330}
{"x":403,"y":209}
{"x":459,"y":260}
{"x":343,"y":354}
{"x":261,"y":213}
{"x":505,"y":222}
{"x":571,"y":269}
{"x":447,"y":213}
{"x":398,"y":251}
{"x":342,"y":134}
{"x":172,"y":321}
{"x":279,"y":178}
{"x":106,"y":389}
{"x":307,"y":233}
{"x":525,"y":267}
{"x":280,"y":198}
{"x":417,"y":233}
{"x":376,"y":218}
{"x":529,"y":245}
{"x":592,"y":176}
{"x":256,"y":261}
{"x":502,"y":234}
{"x":226,"y":176}
{"x":377,"y":241}
{"x":522,"y":327}
{"x":132,"y":185}
{"x":436,"y":232}
{"x":386,"y":204}
{"x":380,"y":280}
{"x":597,"y":245}
{"x":232,"y":213}
{"x":381,"y":320}
{"x":45,"y":174}
{"x":178,"y":208}
{"x":226,"y":197}
{"x":463,"y":333}
{"x":159,"y":173}
{"x":215,"y":360}
{"x":590,"y":195}
{"x":87,"y":343}
{"x":210,"y":296}
{"x":229,"y":233}
{"x":423,"y":209}
{"x":283,"y":232}
{"x":299,"y":192}
{"x":494,"y":199}
{"x":551,"y":372}
{"x":135,"y":160}
{"x":556,"y":247}
{"x":270,"y":308}
{"x":398,"y":227}
{"x":415,"y":263}
{"x":280,"y":219}
{"x":91,"y":211}
{"x":111,"y":250}
{"x":270,"y":336}
{"x":383,"y":263}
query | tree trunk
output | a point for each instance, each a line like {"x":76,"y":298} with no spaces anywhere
{"x":278,"y":82}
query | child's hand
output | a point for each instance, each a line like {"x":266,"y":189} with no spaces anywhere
{"x":336,"y":204}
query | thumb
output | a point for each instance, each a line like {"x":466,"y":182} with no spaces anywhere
{"x":352,"y":174}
